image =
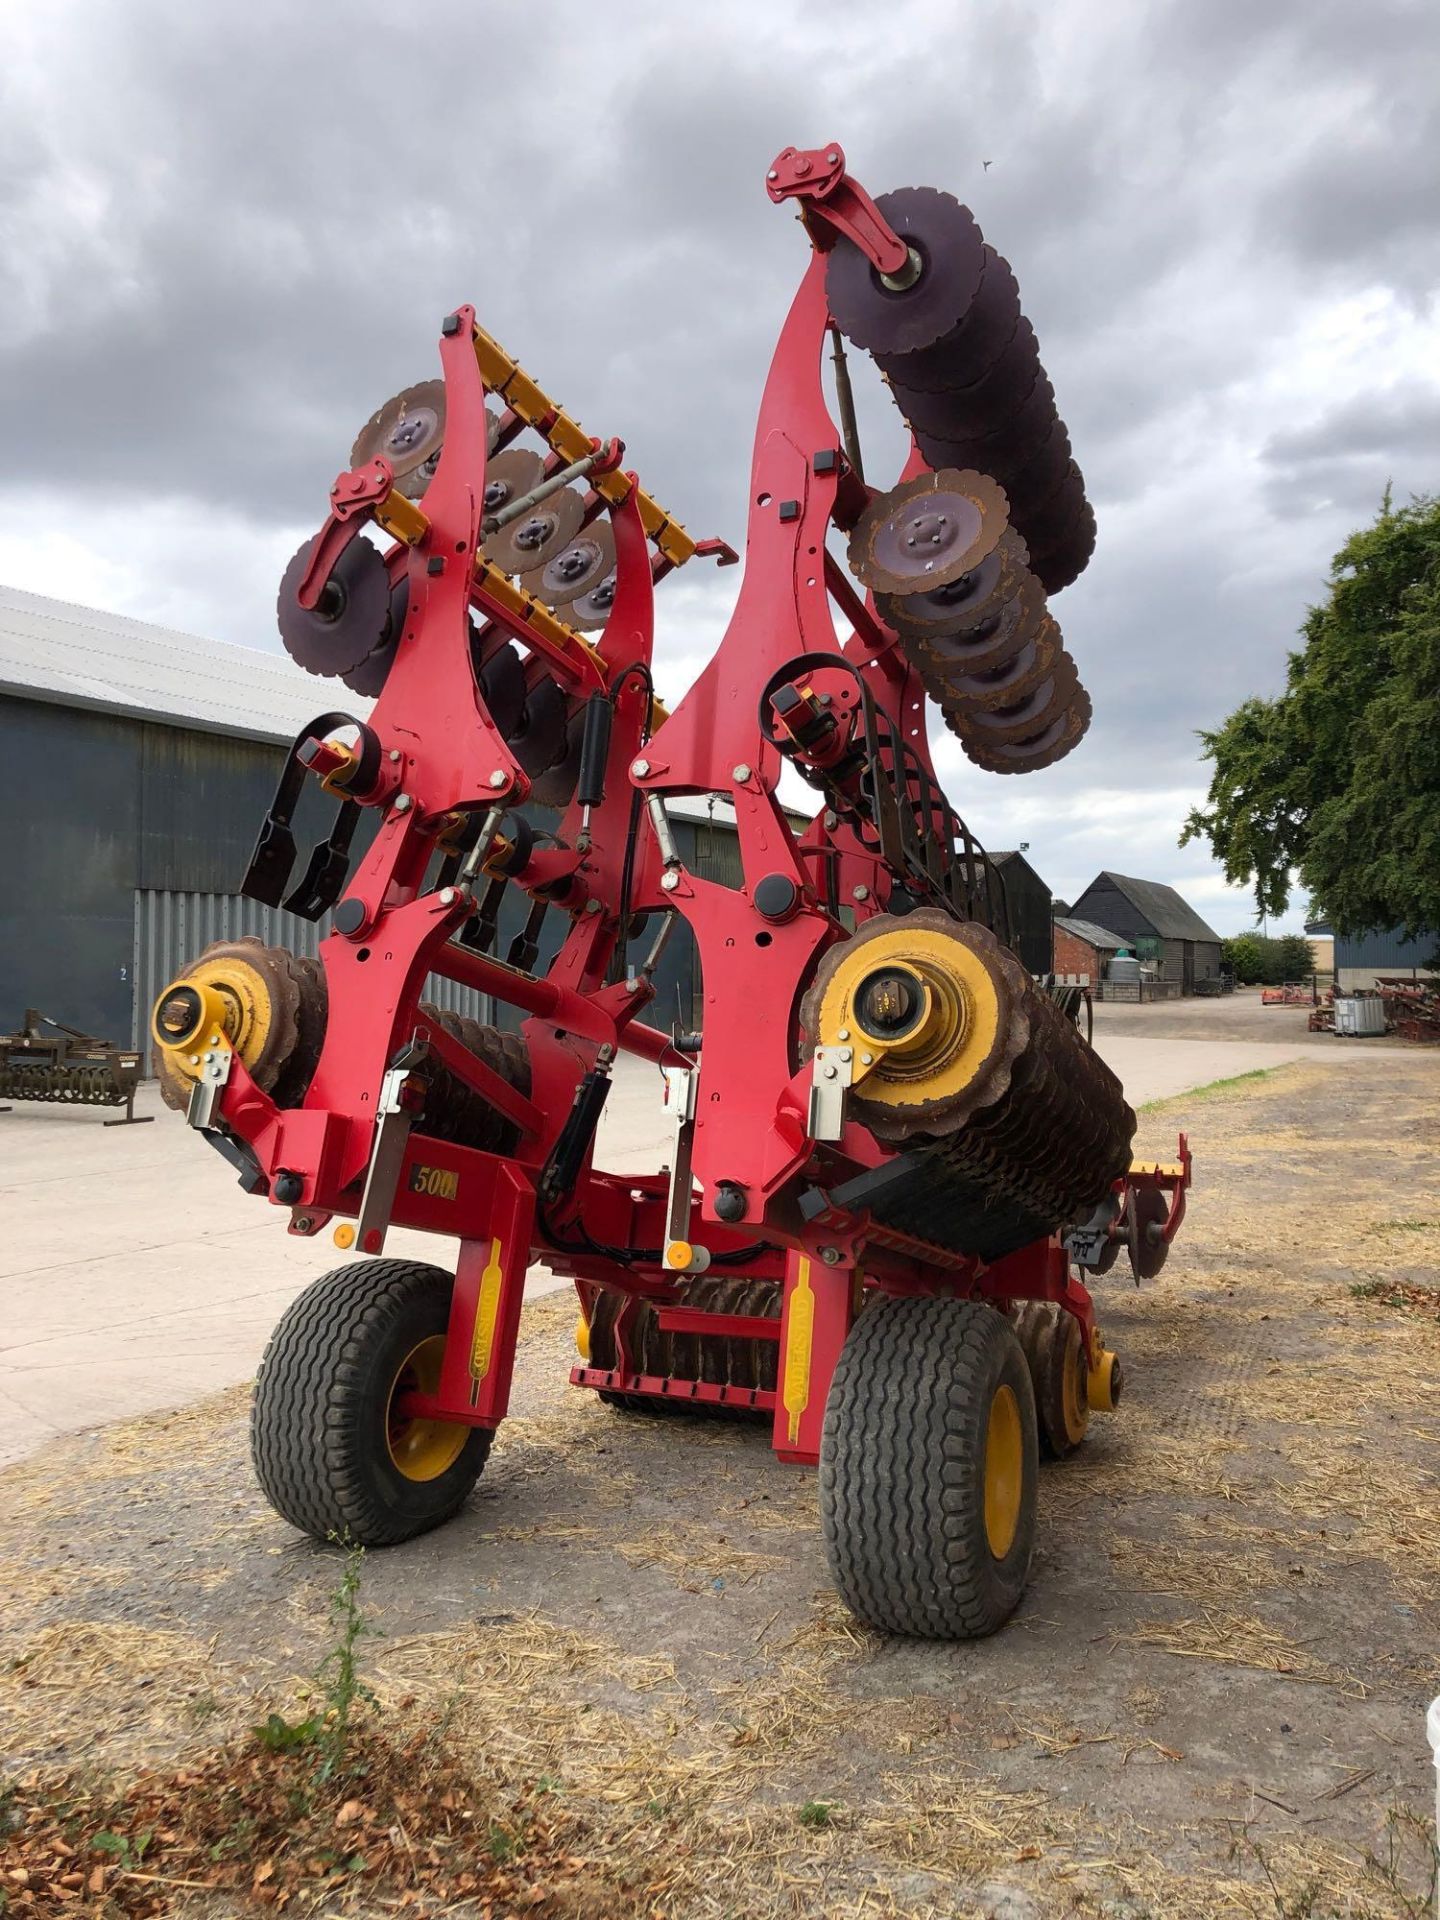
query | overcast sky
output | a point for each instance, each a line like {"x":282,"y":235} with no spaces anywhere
{"x":227,"y":234}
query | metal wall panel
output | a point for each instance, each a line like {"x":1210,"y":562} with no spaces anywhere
{"x":172,"y":927}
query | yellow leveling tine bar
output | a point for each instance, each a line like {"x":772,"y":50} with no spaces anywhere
{"x":507,"y":378}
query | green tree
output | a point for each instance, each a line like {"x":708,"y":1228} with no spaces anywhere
{"x":1338,"y":779}
{"x":1296,"y":961}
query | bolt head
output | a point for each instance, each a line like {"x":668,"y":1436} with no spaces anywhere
{"x":831,"y":1073}
{"x":447,"y":896}
{"x":393,"y":755}
{"x":592,"y":906}
{"x":831,"y":1256}
{"x":403,"y":803}
{"x":844,"y":1034}
{"x":640,"y":768}
{"x":669,"y":881}
{"x":846,"y":1054}
{"x":497,"y":778}
{"x":867,"y":1059}
{"x":862,"y":893}
{"x":740,"y":774}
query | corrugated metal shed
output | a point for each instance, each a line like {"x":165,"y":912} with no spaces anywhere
{"x":1171,"y":917}
{"x":1386,"y":950}
{"x":79,"y":657}
{"x":1093,"y":936}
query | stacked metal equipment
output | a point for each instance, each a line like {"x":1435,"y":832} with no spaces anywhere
{"x":547,"y":534}
{"x":962,"y":559}
{"x":69,"y":1067}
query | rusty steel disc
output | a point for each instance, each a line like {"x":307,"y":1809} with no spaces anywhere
{"x":1067,"y":558}
{"x":965,"y":437}
{"x":1145,"y":1214}
{"x":530,"y":543}
{"x":1033,"y":482}
{"x":1002,"y":685}
{"x":555,"y":787}
{"x":368,"y":679}
{"x":961,"y":602}
{"x":956,"y":358}
{"x":994,"y":637}
{"x":508,"y":476}
{"x":351,"y":619}
{"x":996,"y":395}
{"x":501,"y":681}
{"x":575,"y":570}
{"x":540,"y":739}
{"x":950,"y":251}
{"x":927,"y":531}
{"x":590,"y":610}
{"x":1061,"y":736}
{"x":408,"y":431}
{"x":1032,"y":712}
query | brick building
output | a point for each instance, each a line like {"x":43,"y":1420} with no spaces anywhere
{"x":1083,"y":948}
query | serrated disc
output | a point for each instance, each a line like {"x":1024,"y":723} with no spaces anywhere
{"x":501,"y":680}
{"x":1030,"y":713}
{"x":590,"y":610}
{"x":351,"y":619}
{"x":587,"y":561}
{"x":1003,"y":685}
{"x":952,"y":261}
{"x":927,"y":531}
{"x":508,"y":476}
{"x":992,"y":639}
{"x":962,"y":602}
{"x":956,"y":358}
{"x":538,"y":741}
{"x":1062,"y":736}
{"x":368,"y":679}
{"x":539,"y":536}
{"x":408,"y":431}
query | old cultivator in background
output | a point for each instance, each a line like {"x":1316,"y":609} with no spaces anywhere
{"x":893,"y":1155}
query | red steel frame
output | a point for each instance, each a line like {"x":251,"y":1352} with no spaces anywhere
{"x":441,"y":752}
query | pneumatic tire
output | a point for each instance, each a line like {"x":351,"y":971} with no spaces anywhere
{"x":332,"y":1452}
{"x":928,"y":1469}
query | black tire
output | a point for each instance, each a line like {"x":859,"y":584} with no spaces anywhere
{"x":903,"y":1468}
{"x":1054,"y":1349}
{"x":320,"y":1433}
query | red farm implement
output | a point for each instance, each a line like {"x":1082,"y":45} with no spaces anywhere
{"x":894,"y":1156}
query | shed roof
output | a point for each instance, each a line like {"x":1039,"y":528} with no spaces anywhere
{"x":1172,"y":917}
{"x":75,"y":656}
{"x":1093,"y":936}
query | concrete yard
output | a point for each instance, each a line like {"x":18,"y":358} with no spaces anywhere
{"x":1210,"y":1704}
{"x":138,"y":1276}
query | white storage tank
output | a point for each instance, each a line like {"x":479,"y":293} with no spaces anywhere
{"x":1359,"y":1014}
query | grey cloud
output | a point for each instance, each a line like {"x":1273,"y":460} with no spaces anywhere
{"x":226,"y":236}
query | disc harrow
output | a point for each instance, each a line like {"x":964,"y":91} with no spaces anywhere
{"x":964,"y":366}
{"x":892,"y":1158}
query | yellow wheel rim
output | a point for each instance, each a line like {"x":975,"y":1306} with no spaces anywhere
{"x":1004,"y":1471}
{"x":1074,"y":1384}
{"x":422,"y":1449}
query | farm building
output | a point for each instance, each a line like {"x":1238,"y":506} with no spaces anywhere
{"x":1083,"y":948}
{"x":1360,"y":959}
{"x":1028,"y":900}
{"x":1161,"y":928}
{"x":147,"y":759}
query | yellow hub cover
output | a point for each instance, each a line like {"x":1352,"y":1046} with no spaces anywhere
{"x":1004,"y":1471}
{"x":422,"y":1449}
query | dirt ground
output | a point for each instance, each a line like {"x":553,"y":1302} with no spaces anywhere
{"x":1211,"y":1703}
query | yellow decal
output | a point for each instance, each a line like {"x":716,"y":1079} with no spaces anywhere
{"x":486,"y":1308}
{"x":437,"y":1183}
{"x":799,"y":1343}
